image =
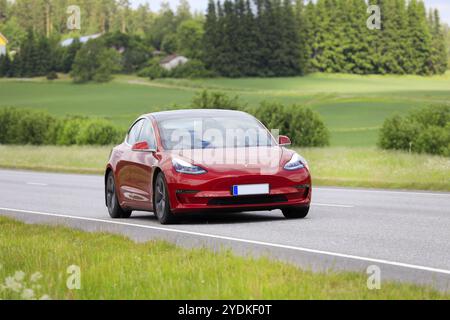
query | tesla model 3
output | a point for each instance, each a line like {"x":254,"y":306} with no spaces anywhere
{"x":177,"y":162}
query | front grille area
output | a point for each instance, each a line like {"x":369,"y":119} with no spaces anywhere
{"x":247,"y":200}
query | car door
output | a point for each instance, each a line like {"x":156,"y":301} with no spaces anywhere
{"x":125,"y":167}
{"x":143,"y":165}
{"x":139,"y":169}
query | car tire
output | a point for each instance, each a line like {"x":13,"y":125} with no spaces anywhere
{"x":296,"y":213}
{"x":112,"y":202}
{"x":161,"y":201}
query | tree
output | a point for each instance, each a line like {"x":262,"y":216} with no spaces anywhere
{"x":189,"y":38}
{"x":419,"y":55}
{"x":5,"y":66}
{"x":69,"y":55}
{"x":210,"y":37}
{"x":439,"y":57}
{"x":95,"y":62}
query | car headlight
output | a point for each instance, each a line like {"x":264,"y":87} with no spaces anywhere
{"x":186,"y":167}
{"x":296,"y":163}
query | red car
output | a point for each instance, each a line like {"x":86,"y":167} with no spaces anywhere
{"x":205,"y":160}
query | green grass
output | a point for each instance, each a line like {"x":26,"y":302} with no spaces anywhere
{"x":113,"y":267}
{"x":346,"y":167}
{"x":373,"y":168}
{"x":86,"y":160}
{"x":353,"y":107}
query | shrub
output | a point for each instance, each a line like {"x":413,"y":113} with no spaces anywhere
{"x":424,"y":130}
{"x":23,"y":126}
{"x":434,"y":140}
{"x":97,"y":132}
{"x":304,"y":126}
{"x":9,"y":117}
{"x":52,"y":75}
{"x":216,"y":100}
{"x":33,"y":128}
{"x":154,"y":71}
{"x":67,"y":135}
{"x":398,"y":133}
{"x":95,"y":62}
{"x":191,"y":69}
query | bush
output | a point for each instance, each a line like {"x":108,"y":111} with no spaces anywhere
{"x":95,"y":62}
{"x":154,"y":71}
{"x":68,"y":133}
{"x":52,"y":75}
{"x":191,"y":69}
{"x":423,"y":131}
{"x":304,"y":126}
{"x":216,"y":100}
{"x":97,"y":132}
{"x":9,"y":117}
{"x":23,"y":126}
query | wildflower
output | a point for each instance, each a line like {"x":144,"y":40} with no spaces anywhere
{"x":35,"y":277}
{"x":12,"y":284}
{"x":19,"y":275}
{"x":28,"y":294}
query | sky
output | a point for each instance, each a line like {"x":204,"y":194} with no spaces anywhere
{"x":200,"y":5}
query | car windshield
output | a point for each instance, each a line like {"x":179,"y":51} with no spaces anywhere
{"x":211,"y":132}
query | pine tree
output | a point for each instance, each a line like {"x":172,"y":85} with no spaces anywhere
{"x":322,"y":46}
{"x":439,"y":58}
{"x":250,"y":45}
{"x":3,"y":66}
{"x":210,"y":37}
{"x":419,"y":39}
{"x":309,"y":36}
{"x":304,"y":32}
{"x":290,"y":46}
{"x":229,"y":46}
{"x":359,"y":50}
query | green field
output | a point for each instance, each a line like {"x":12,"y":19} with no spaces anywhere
{"x":353,"y":107}
{"x":113,"y":267}
{"x":337,"y":166}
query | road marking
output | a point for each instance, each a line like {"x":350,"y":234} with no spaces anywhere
{"x":261,"y":243}
{"x":446,"y":194}
{"x":332,"y":205}
{"x":37,"y":184}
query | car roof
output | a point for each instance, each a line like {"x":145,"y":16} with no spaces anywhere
{"x":176,"y":114}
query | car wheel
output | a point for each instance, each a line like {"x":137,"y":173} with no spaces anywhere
{"x":114,"y":208}
{"x":161,"y":201}
{"x":296,"y":213}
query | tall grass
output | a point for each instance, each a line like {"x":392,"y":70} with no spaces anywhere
{"x":347,"y":167}
{"x":113,"y":267}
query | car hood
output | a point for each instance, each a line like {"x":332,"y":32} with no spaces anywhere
{"x":261,"y":160}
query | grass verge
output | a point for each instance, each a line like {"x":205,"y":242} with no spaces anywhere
{"x":340,"y":167}
{"x":113,"y":267}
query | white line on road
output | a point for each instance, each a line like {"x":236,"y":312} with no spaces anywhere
{"x":400,"y":192}
{"x":37,"y":184}
{"x":332,"y":205}
{"x":267,"y":244}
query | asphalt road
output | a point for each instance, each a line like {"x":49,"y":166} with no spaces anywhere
{"x":406,"y":234}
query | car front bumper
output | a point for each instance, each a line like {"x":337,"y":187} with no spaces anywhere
{"x":212,"y":192}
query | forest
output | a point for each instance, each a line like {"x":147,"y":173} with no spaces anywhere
{"x":234,"y":38}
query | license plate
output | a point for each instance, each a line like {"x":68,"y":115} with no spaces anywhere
{"x":251,"y":189}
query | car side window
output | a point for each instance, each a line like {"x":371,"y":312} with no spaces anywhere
{"x":148,"y":134}
{"x":133,"y":134}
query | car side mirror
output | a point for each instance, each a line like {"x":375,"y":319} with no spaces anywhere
{"x":284,"y":141}
{"x":142,"y":147}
